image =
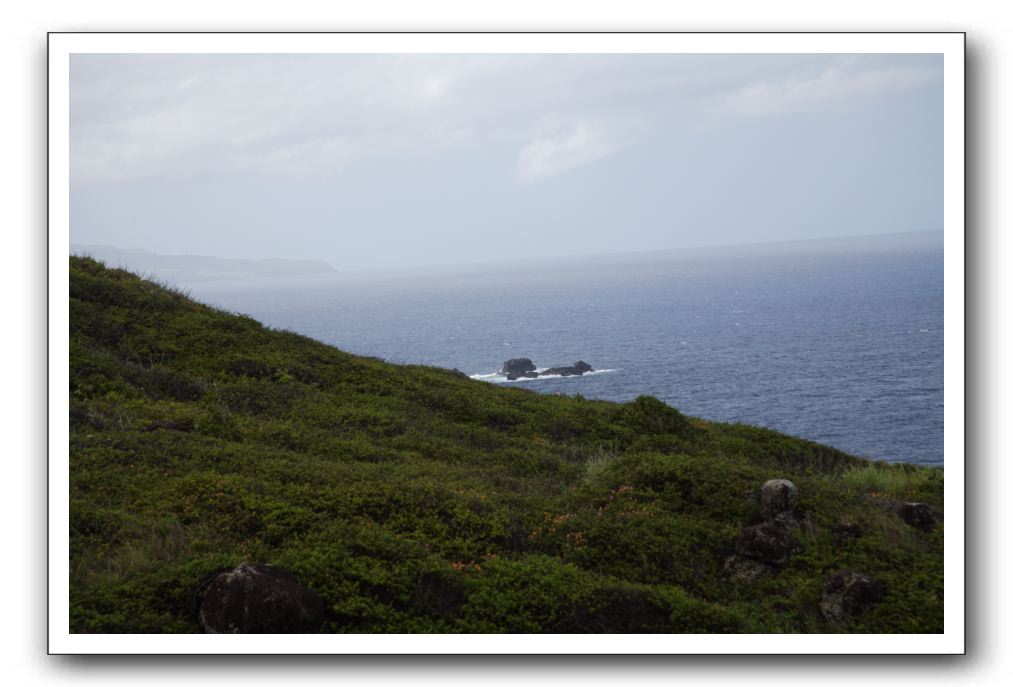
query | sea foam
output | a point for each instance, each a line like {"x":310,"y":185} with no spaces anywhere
{"x":499,"y":378}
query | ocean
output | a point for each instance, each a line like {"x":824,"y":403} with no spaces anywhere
{"x":838,"y":341}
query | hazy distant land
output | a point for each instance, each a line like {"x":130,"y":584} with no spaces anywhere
{"x":197,"y":268}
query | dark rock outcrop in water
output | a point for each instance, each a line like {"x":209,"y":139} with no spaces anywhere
{"x":516,"y":368}
{"x":256,"y":598}
{"x":578,"y":368}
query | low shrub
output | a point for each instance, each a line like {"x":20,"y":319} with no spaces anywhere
{"x":413,"y":499}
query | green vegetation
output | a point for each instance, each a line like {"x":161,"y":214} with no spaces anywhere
{"x":901,"y":480}
{"x":414,"y":499}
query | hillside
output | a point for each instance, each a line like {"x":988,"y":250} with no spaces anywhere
{"x":413,"y":499}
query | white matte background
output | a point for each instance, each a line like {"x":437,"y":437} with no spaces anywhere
{"x":22,"y":190}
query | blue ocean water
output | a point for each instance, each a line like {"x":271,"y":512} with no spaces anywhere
{"x":840,"y":342}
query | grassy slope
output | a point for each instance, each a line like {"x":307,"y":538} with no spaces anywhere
{"x":416,"y":500}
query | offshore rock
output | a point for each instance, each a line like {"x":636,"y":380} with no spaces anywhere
{"x":848,"y":593}
{"x":256,"y":598}
{"x":529,"y":375}
{"x":578,"y":368}
{"x":518,"y":366}
{"x":777,"y":497}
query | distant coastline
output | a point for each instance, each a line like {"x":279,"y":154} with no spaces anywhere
{"x":198,"y":268}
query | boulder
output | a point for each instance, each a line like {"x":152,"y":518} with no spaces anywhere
{"x":517,"y":366}
{"x":848,"y":593}
{"x":582,"y":366}
{"x":777,"y":496}
{"x":768,"y":542}
{"x":918,"y":515}
{"x":256,"y":598}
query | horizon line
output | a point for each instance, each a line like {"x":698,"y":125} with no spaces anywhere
{"x":507,"y":261}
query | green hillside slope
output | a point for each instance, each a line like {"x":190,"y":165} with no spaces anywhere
{"x":413,"y":499}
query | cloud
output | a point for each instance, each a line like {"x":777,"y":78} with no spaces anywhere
{"x":186,"y":116}
{"x":172,"y":116}
{"x":835,"y":87}
{"x":547,"y":157}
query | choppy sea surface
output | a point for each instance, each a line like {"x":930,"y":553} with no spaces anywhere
{"x":840,"y":342}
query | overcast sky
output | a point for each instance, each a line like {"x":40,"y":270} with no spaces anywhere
{"x":392,"y":160}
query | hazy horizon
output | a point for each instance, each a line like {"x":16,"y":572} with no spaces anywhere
{"x":189,"y":270}
{"x":410,"y":161}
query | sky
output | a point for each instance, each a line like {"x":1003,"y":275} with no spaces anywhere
{"x":385,"y":161}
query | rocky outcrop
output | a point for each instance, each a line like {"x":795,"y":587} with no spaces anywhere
{"x":847,"y":593}
{"x":256,"y":598}
{"x":768,"y":542}
{"x":918,"y":515}
{"x":515,"y":368}
{"x":760,"y":548}
{"x":578,"y":368}
{"x":777,"y":498}
{"x":518,"y":375}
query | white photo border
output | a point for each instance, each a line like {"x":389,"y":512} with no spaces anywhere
{"x":63,"y":45}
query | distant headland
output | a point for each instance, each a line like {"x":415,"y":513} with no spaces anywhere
{"x":198,"y":268}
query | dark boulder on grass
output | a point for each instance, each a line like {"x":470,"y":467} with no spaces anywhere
{"x":517,"y":366}
{"x":847,"y":593}
{"x":777,"y":497}
{"x":768,"y":542}
{"x":918,"y":515}
{"x":256,"y":598}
